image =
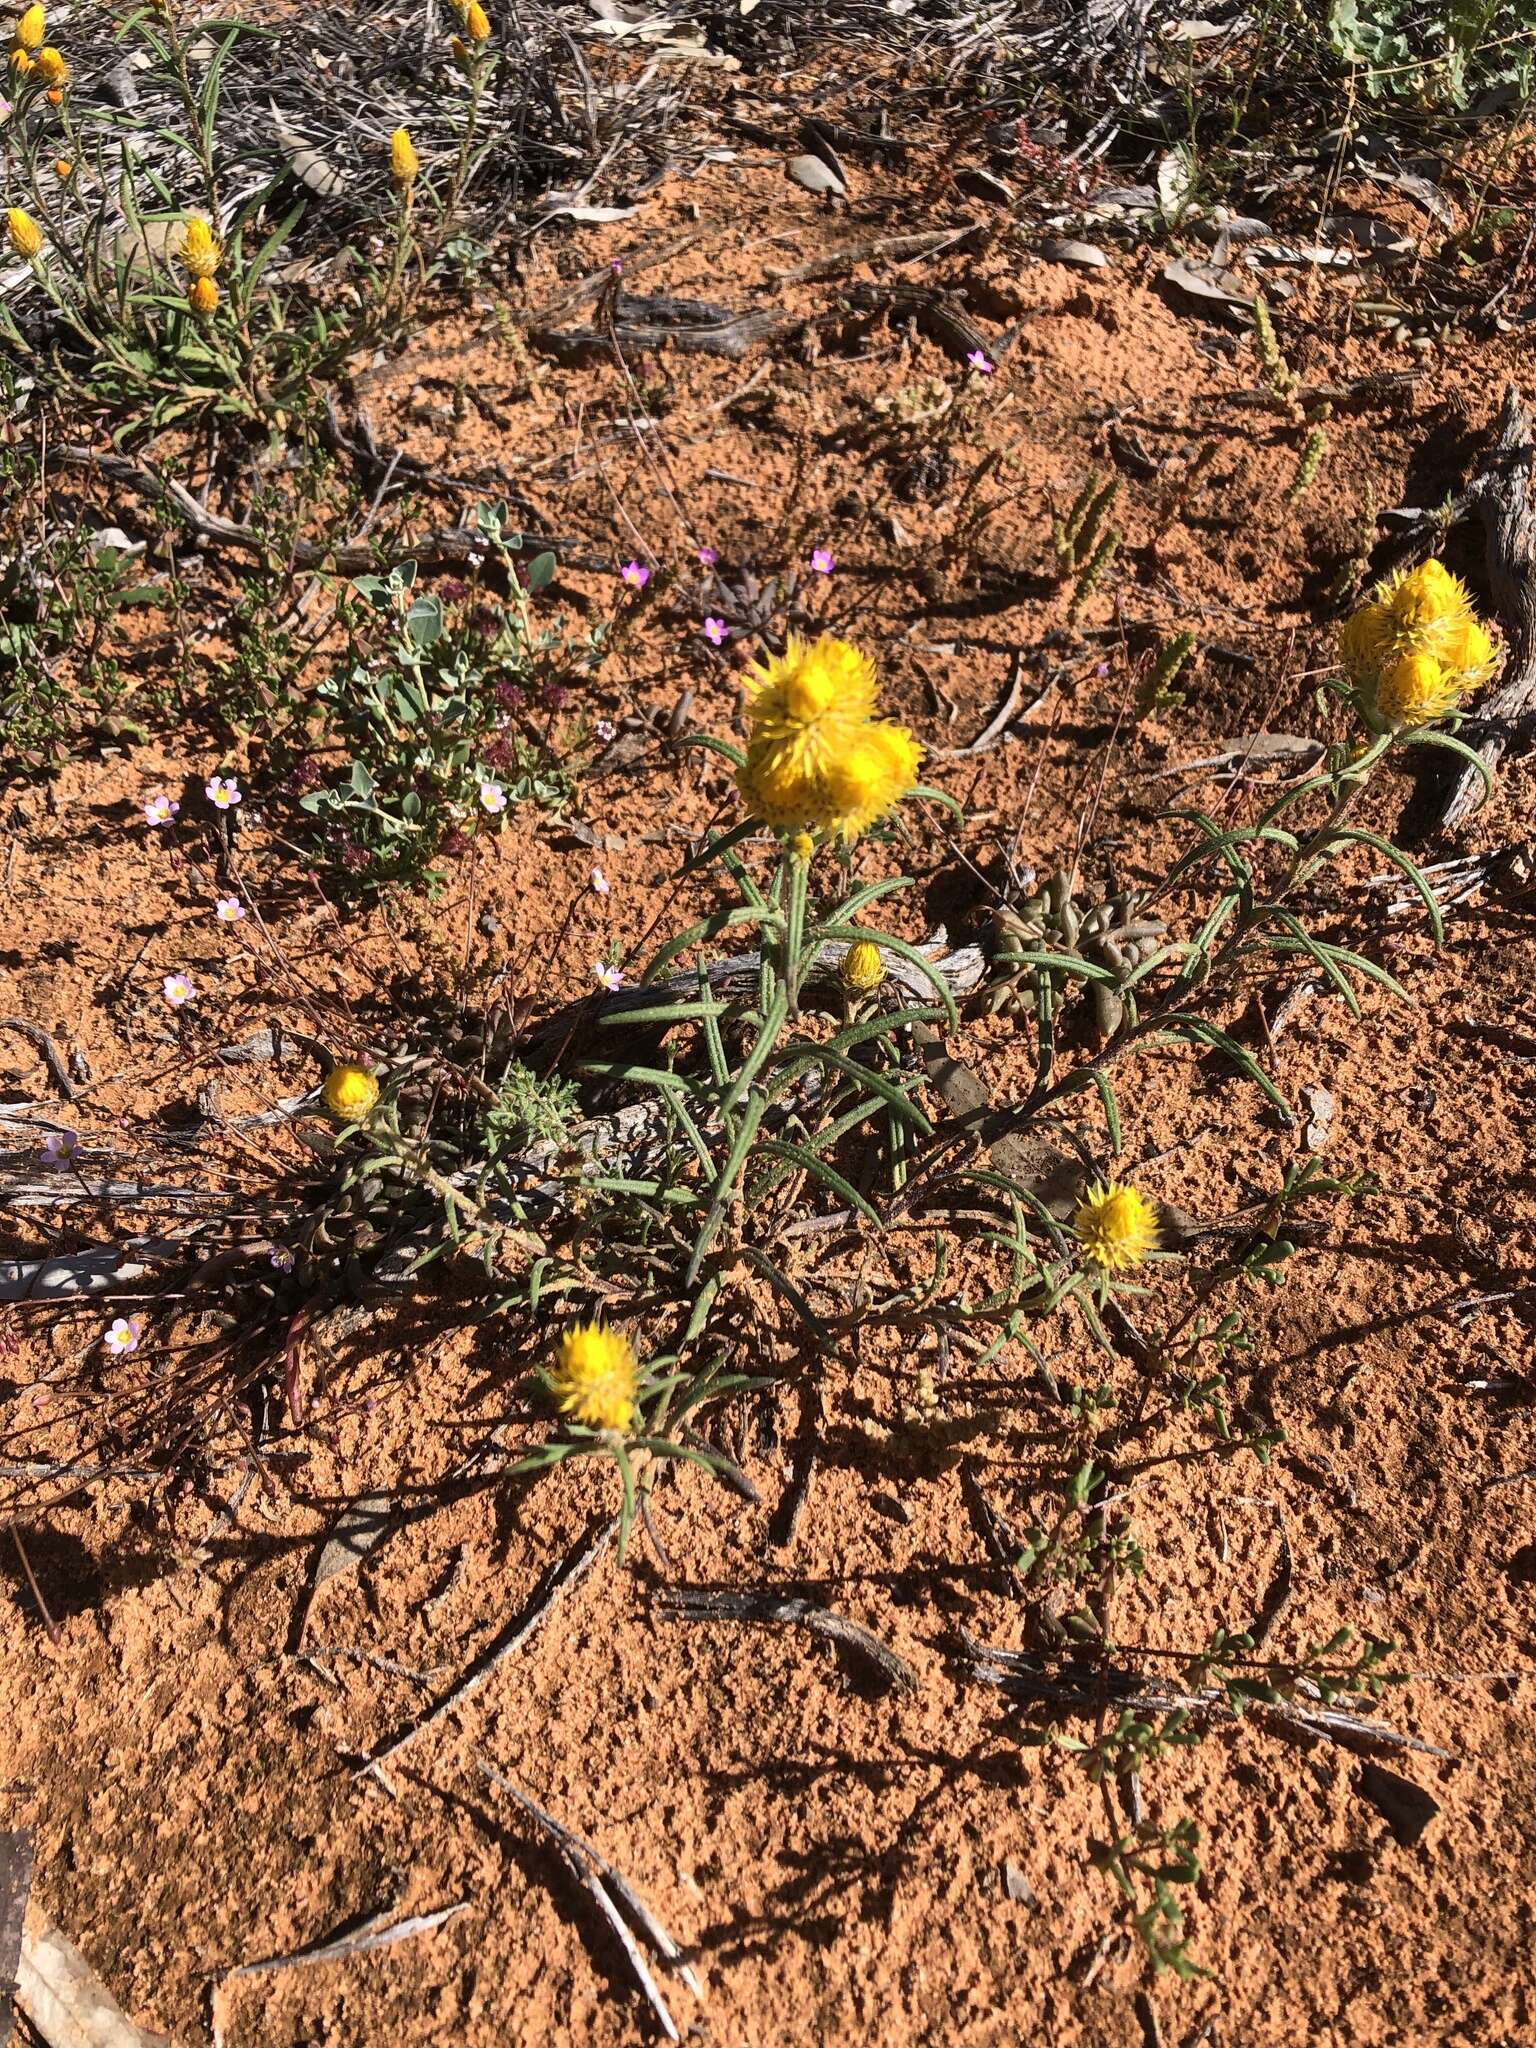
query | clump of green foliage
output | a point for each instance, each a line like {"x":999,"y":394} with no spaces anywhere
{"x":434,"y":713}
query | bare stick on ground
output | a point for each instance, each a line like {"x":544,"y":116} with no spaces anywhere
{"x":557,"y":1580}
{"x":708,"y":1603}
{"x":604,"y":1885}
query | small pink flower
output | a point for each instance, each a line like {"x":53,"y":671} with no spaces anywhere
{"x":716,"y":632}
{"x":222,"y":791}
{"x":281,"y":1258}
{"x":229,"y":910}
{"x":122,"y":1336}
{"x":609,"y":978}
{"x":599,"y":882}
{"x":709,"y":557}
{"x":616,"y":265}
{"x":178,"y":990}
{"x":635,"y":574}
{"x":160,"y":809}
{"x":979,"y":360}
{"x":603,"y":730}
{"x":493,"y":797}
{"x":60,"y":1147}
{"x":823,"y":561}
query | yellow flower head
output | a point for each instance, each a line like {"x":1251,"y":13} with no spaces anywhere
{"x":1363,"y":639}
{"x":594,"y":1377}
{"x":812,"y":697}
{"x":477,"y":23}
{"x":52,"y":66}
{"x":815,"y":758}
{"x":1425,"y":596}
{"x":31,"y":29}
{"x":863,"y":968}
{"x":349,"y":1093}
{"x":1467,"y":651}
{"x":203,"y":297}
{"x":200,"y":251}
{"x":802,"y":846}
{"x":404,"y":163}
{"x":1116,"y":1226}
{"x":22,"y":63}
{"x":877,"y":772}
{"x":1416,"y":691}
{"x":26,"y":237}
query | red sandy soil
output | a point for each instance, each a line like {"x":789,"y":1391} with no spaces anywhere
{"x":831,"y":1862}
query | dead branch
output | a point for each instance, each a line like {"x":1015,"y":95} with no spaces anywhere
{"x":709,"y":1603}
{"x":1501,"y":495}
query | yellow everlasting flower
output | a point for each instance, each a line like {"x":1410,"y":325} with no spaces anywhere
{"x":594,"y":1377}
{"x":816,"y":758}
{"x":879,"y":769}
{"x":1467,"y":649}
{"x":1418,"y":646}
{"x":31,"y":29}
{"x":404,"y":163}
{"x":26,"y":237}
{"x":349,"y":1093}
{"x":1417,"y":690}
{"x":477,"y":23}
{"x":1116,"y":1226}
{"x":200,"y":251}
{"x":21,"y":63}
{"x":863,"y":968}
{"x":52,"y":66}
{"x":203,"y":297}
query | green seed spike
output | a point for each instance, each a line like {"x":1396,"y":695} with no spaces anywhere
{"x":1306,"y":469}
{"x":1100,"y":560}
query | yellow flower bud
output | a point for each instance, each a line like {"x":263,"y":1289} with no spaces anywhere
{"x":460,"y":50}
{"x":203,"y":296}
{"x":404,"y":163}
{"x":62,"y":167}
{"x":349,"y":1093}
{"x":477,"y":23}
{"x":200,"y":251}
{"x":51,"y":66}
{"x":26,"y":237}
{"x":21,"y":63}
{"x":30,"y":29}
{"x":863,"y":968}
{"x":802,"y":846}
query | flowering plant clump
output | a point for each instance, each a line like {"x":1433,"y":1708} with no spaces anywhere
{"x":1417,"y":648}
{"x":226,"y":340}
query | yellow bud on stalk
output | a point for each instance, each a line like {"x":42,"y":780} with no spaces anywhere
{"x":477,"y":23}
{"x":349,"y":1093}
{"x":31,"y":29}
{"x":62,"y":167}
{"x":21,"y":63}
{"x":203,"y":297}
{"x":200,"y":251}
{"x":404,"y":163}
{"x":52,"y":66}
{"x":863,"y":968}
{"x":26,"y":237}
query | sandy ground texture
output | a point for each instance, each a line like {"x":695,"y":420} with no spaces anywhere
{"x":837,"y":1861}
